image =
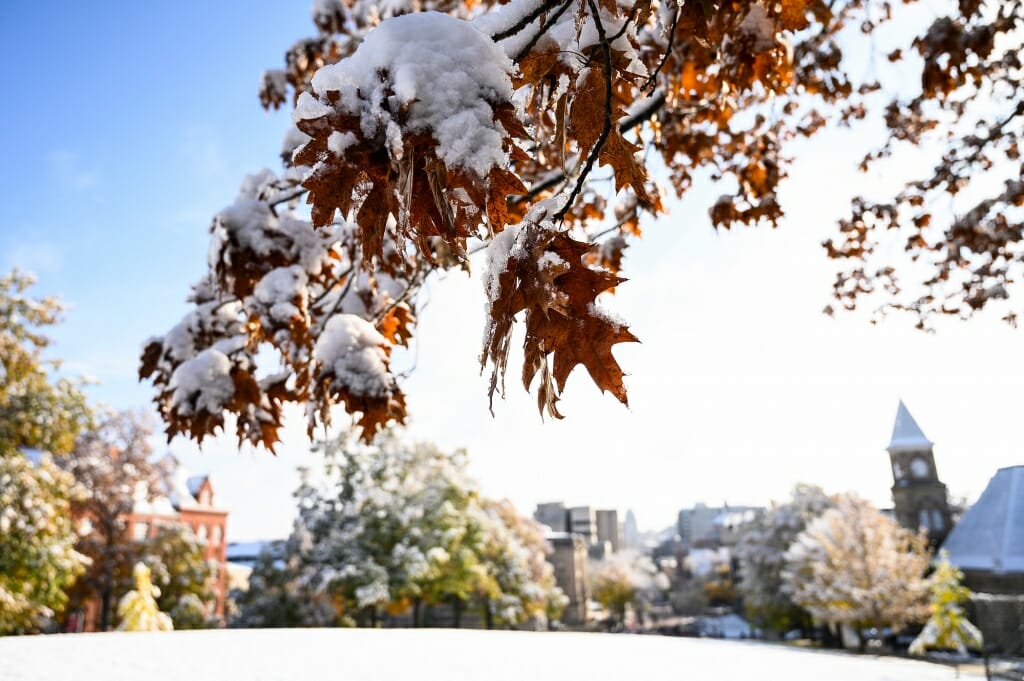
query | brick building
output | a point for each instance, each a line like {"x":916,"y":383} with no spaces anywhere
{"x":184,"y":500}
{"x":188,"y":500}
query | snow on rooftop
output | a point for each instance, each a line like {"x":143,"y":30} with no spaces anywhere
{"x":195,"y":483}
{"x":990,"y":536}
{"x":289,"y":654}
{"x":906,"y":434}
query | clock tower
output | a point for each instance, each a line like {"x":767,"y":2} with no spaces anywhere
{"x":917,"y":493}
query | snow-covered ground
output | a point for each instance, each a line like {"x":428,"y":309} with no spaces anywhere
{"x":410,"y":655}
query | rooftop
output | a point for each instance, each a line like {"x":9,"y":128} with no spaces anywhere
{"x":906,"y":434}
{"x":990,"y":536}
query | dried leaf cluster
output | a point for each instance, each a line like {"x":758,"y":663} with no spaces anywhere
{"x":427,"y":130}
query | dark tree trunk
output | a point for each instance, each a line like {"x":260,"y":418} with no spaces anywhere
{"x":105,"y":598}
{"x":417,"y":612}
{"x":457,"y":611}
{"x":488,"y":617}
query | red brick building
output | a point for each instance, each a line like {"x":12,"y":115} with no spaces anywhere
{"x":185,"y":500}
{"x":189,"y":501}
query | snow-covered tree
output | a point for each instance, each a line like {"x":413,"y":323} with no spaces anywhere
{"x":111,"y":466}
{"x":761,"y":555}
{"x":386,"y":525}
{"x":182,"y":575}
{"x":138,"y":610}
{"x":855,"y":566}
{"x":625,"y":579}
{"x":38,"y":408}
{"x":38,"y":560}
{"x":514,"y":553}
{"x":39,"y":411}
{"x":393,"y":527}
{"x":948,"y":627}
{"x":425,"y":131}
{"x":275,"y":598}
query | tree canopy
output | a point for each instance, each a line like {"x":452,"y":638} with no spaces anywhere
{"x":762,"y":558}
{"x":38,"y":409}
{"x":111,"y":465}
{"x":38,"y":560}
{"x":394,"y":527}
{"x":852,"y":565}
{"x":531,"y":129}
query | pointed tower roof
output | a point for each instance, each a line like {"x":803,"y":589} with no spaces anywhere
{"x":906,"y":434}
{"x":990,"y":536}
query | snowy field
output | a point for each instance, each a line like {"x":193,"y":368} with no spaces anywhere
{"x":410,"y":655}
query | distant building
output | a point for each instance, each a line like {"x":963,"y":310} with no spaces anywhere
{"x":247,"y":553}
{"x":599,"y":550}
{"x":569,"y":559}
{"x":183,"y":500}
{"x":583,"y":521}
{"x":630,"y":531}
{"x":595,"y":526}
{"x":920,"y":499}
{"x":988,"y":542}
{"x":608,"y":529}
{"x":988,"y":545}
{"x":188,"y":500}
{"x":553,"y":515}
{"x":705,"y":525}
{"x":730,"y":525}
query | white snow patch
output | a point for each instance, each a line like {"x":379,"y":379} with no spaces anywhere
{"x":353,"y":350}
{"x":202,"y":383}
{"x":445,"y":72}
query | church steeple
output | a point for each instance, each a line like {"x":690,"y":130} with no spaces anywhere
{"x":906,"y":434}
{"x":918,"y":495}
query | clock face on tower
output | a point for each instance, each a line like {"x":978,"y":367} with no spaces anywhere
{"x":919,"y":467}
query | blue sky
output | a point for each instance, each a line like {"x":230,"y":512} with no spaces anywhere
{"x":128,"y":127}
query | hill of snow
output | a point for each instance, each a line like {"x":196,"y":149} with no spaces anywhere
{"x":405,"y":654}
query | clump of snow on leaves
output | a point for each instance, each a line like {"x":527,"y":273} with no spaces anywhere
{"x":352,"y":350}
{"x":439,"y":71}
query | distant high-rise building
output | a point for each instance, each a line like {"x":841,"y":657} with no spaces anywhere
{"x":569,"y":559}
{"x":583,"y":521}
{"x":608,"y":529}
{"x":918,"y":495}
{"x":554,"y":515}
{"x":630,"y":531}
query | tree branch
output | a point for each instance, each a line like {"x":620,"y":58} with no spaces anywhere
{"x":525,"y":21}
{"x":543,"y":29}
{"x":606,"y":51}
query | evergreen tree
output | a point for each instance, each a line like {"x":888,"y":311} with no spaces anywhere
{"x":138,"y":609}
{"x":948,"y":627}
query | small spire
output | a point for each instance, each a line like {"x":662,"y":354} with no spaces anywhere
{"x":906,"y":434}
